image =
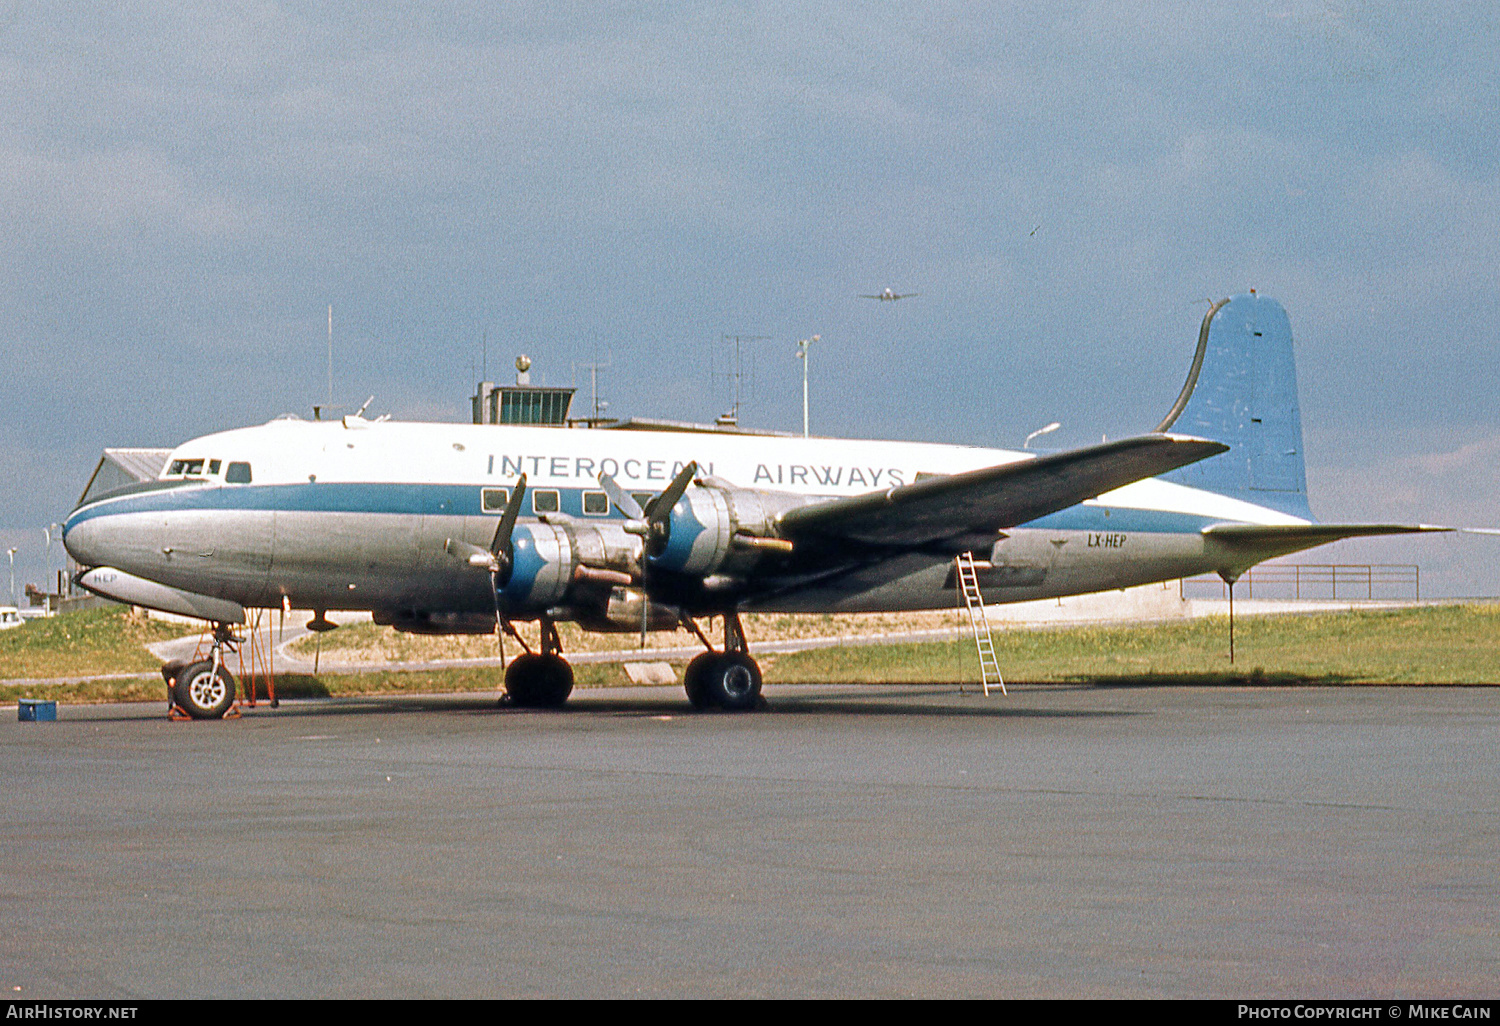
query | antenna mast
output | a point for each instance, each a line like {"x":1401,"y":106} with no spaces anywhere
{"x":738,"y":373}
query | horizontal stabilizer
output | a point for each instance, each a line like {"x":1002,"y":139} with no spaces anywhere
{"x":1314,"y":534}
{"x":982,"y":502}
{"x":1252,"y":543}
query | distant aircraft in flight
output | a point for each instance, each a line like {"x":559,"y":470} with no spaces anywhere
{"x":888,"y":296}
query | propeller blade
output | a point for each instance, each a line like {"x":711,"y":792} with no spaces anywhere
{"x":660,"y":510}
{"x":500,"y":547}
{"x":623,"y":500}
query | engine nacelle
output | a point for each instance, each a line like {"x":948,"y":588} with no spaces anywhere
{"x":715,"y":528}
{"x":541,"y":571}
{"x":699,"y":534}
{"x":549,"y":559}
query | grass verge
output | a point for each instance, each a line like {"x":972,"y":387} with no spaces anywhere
{"x":108,"y":640}
{"x":1425,"y":645}
{"x":1443,"y":645}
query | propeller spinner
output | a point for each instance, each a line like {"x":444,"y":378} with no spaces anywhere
{"x":654,"y":522}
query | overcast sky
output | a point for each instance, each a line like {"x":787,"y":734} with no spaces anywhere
{"x":186,"y":187}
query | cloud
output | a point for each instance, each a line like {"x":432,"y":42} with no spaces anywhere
{"x":186,"y":186}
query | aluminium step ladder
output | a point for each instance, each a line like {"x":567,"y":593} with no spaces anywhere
{"x":968,"y":586}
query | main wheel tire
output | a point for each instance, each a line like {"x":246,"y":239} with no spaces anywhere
{"x":557,"y":683}
{"x":694,"y":679}
{"x":520,"y":679}
{"x":538,"y":682}
{"x":732,"y":682}
{"x":201,"y":693}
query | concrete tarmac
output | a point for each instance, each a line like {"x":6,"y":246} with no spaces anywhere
{"x":849,"y":841}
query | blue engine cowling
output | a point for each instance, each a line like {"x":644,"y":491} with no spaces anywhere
{"x":542,"y":565}
{"x":701,"y":534}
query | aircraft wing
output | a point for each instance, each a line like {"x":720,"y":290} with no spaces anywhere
{"x":960,"y":508}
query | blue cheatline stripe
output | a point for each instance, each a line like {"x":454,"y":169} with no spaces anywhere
{"x":464,"y":500}
{"x":1123,"y":519}
{"x":407,"y":499}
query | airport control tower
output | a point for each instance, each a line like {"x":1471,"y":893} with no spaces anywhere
{"x":523,"y":402}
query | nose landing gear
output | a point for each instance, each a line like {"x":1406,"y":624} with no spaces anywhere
{"x":202,"y":690}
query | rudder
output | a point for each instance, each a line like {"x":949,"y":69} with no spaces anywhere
{"x":1242,"y":391}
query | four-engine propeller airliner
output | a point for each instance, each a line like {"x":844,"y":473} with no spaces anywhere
{"x":889,"y":295}
{"x":455,"y":528}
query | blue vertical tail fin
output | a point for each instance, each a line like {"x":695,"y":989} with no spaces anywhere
{"x":1242,"y":391}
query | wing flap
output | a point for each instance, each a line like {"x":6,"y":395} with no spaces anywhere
{"x":988,"y":500}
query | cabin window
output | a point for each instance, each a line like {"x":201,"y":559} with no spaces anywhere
{"x":494,"y":500}
{"x":237,"y":473}
{"x":595,"y":504}
{"x":642,"y":499}
{"x":544,"y":501}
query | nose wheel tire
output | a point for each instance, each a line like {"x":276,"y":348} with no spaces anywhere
{"x":728,"y":681}
{"x":203,"y":694}
{"x":539,"y":681}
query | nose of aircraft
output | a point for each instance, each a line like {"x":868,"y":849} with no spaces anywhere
{"x":88,"y":535}
{"x":76,"y":539}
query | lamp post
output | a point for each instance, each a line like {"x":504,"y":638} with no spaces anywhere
{"x":50,"y":532}
{"x":11,"y":552}
{"x":803,"y":346}
{"x":1040,"y":431}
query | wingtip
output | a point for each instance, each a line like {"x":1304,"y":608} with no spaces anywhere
{"x":1193,"y":440}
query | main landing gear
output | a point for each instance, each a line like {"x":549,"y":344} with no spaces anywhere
{"x":728,"y":680}
{"x":202,"y":690}
{"x":540,"y":680}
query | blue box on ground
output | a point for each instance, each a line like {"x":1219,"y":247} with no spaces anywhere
{"x":34,"y":710}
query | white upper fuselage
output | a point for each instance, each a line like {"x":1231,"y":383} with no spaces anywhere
{"x":292,"y":451}
{"x":359,"y":514}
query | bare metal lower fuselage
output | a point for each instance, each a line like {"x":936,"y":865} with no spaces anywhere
{"x":403,"y":562}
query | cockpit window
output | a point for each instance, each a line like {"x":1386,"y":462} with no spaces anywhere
{"x":238,"y":473}
{"x":185,"y":467}
{"x":213,"y":466}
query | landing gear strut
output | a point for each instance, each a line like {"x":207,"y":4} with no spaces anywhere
{"x":203,"y":690}
{"x":540,"y":680}
{"x":728,"y":680}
